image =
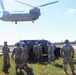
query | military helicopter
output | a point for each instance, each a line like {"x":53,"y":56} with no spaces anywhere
{"x":15,"y":17}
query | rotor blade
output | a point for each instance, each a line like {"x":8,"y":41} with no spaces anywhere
{"x":48,"y":4}
{"x":2,"y":6}
{"x":24,"y":3}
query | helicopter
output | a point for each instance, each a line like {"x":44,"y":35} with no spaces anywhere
{"x":15,"y":17}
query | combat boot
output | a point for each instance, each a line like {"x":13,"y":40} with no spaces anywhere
{"x":73,"y":73}
{"x":66,"y":73}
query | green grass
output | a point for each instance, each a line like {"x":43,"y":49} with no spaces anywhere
{"x":35,"y":68}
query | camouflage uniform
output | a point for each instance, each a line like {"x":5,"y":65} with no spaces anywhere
{"x":24,"y":55}
{"x":51,"y":56}
{"x":37,"y":50}
{"x":40,"y":50}
{"x":67,"y":52}
{"x":17,"y":52}
{"x":28,"y":48}
{"x":6,"y":57}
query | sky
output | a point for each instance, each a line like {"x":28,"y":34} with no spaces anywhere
{"x":56,"y":23}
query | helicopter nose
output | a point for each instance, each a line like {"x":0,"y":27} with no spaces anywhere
{"x":2,"y":18}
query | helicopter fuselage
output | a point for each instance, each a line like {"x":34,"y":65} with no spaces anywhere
{"x":31,"y":16}
{"x":18,"y":17}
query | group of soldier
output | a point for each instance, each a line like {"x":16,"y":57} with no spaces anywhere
{"x":19,"y":55}
{"x":21,"y":52}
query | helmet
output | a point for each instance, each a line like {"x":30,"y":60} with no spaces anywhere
{"x":36,"y":43}
{"x":5,"y":41}
{"x":22,"y":43}
{"x":66,"y":41}
{"x":17,"y":44}
{"x":48,"y":43}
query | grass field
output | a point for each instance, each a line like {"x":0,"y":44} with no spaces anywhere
{"x":38,"y":68}
{"x":35,"y":68}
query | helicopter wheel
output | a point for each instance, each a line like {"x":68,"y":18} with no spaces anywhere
{"x":33,"y":21}
{"x":15,"y":21}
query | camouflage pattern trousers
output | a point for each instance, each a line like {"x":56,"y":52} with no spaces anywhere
{"x":6,"y":59}
{"x":69,"y":60}
{"x":18,"y":63}
{"x":51,"y":57}
{"x":24,"y":58}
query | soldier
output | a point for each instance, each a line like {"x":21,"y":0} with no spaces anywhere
{"x":17,"y":52}
{"x":37,"y":50}
{"x":67,"y":53}
{"x":6,"y":57}
{"x":28,"y":48}
{"x":24,"y":55}
{"x":40,"y":51}
{"x":51,"y":56}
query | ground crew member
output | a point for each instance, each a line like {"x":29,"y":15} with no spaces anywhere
{"x":40,"y":51}
{"x":51,"y":56}
{"x":37,"y":50}
{"x":67,"y":52}
{"x":28,"y":48}
{"x":6,"y":57}
{"x":17,"y":52}
{"x":24,"y":55}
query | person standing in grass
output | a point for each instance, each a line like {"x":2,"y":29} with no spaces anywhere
{"x":40,"y":51}
{"x":67,"y":53}
{"x":37,"y":50}
{"x":24,"y":55}
{"x":50,"y":52}
{"x":6,"y":57}
{"x":16,"y":56}
{"x":28,"y":48}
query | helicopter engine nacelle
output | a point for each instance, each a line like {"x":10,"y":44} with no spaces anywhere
{"x":36,"y":12}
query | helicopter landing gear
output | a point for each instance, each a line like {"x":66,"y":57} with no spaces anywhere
{"x":33,"y":21}
{"x":15,"y":21}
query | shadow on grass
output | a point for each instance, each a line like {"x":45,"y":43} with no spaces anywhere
{"x":29,"y":71}
{"x":5,"y":69}
{"x":20,"y":73}
{"x":41,"y":61}
{"x":74,"y":62}
{"x":58,"y":65}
